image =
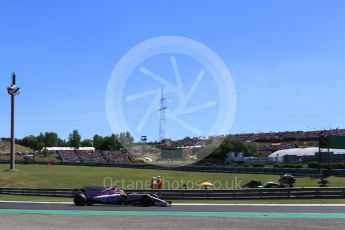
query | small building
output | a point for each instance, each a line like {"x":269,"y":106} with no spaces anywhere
{"x":233,"y":157}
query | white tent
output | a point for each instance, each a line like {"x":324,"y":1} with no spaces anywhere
{"x":57,"y":148}
{"x":68,"y":148}
{"x":301,"y":152}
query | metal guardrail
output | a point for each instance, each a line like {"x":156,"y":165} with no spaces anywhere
{"x":38,"y":192}
{"x":260,"y":193}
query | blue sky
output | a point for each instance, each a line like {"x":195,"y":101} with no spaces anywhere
{"x":287,"y":60}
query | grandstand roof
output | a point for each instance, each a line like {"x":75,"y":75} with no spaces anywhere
{"x":87,"y":148}
{"x":68,"y":148}
{"x":58,"y":148}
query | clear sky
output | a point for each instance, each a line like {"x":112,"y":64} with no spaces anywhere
{"x":287,"y":60}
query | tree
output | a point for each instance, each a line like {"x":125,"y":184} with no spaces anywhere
{"x":33,"y":142}
{"x":29,"y":141}
{"x":129,"y":138}
{"x":50,"y":139}
{"x":74,"y":139}
{"x":62,"y":143}
{"x":45,"y":152}
{"x":230,"y":144}
{"x":98,"y":142}
{"x":111,"y":143}
{"x":86,"y":143}
{"x":125,"y":139}
{"x":107,"y":142}
{"x":40,"y":141}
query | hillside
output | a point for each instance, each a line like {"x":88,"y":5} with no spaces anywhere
{"x":5,"y":148}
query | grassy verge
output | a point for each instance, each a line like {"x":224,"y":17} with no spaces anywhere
{"x":57,"y":176}
{"x":48,"y":158}
{"x":19,"y":148}
{"x":33,"y":198}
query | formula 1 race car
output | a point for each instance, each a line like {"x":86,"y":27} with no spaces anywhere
{"x":90,"y":195}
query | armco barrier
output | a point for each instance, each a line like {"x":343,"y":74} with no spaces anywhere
{"x":38,"y":192}
{"x":259,"y":193}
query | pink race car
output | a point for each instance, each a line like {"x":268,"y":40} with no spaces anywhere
{"x":90,"y":195}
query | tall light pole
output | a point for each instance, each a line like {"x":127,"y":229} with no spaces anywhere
{"x":13,"y":90}
{"x":162,"y":128}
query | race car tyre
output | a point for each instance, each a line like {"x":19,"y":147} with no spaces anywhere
{"x":123,"y":200}
{"x":79,"y":200}
{"x":146,"y":201}
{"x":89,"y":203}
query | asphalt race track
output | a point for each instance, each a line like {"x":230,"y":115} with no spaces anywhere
{"x":67,"y":216}
{"x":180,"y":208}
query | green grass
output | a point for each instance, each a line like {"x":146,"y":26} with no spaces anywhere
{"x":19,"y":148}
{"x":290,"y":201}
{"x":38,"y":158}
{"x":5,"y":153}
{"x":42,"y":176}
{"x":48,"y":158}
{"x":33,"y":198}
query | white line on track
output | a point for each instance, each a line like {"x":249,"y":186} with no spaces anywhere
{"x":192,"y":204}
{"x":279,"y":205}
{"x":34,"y":202}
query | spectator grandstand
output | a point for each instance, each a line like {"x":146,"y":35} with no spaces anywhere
{"x":114,"y":157}
{"x":288,"y":136}
{"x":69,"y":156}
{"x":89,"y":156}
{"x":97,"y":156}
{"x":268,"y":142}
{"x":4,"y":146}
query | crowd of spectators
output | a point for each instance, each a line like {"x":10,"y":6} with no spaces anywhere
{"x":90,"y":156}
{"x":114,"y":157}
{"x":288,"y":136}
{"x":290,"y":139}
{"x":4,"y":146}
{"x":273,"y":141}
{"x":69,"y":156}
{"x":188,"y":141}
{"x":268,"y":142}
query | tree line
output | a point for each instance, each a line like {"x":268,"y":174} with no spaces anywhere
{"x":52,"y":139}
{"x":217,"y":148}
